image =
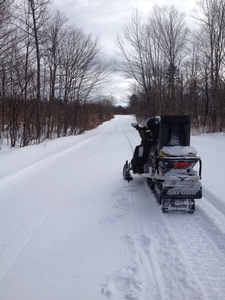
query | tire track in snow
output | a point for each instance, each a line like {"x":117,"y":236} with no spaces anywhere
{"x":214,"y":200}
{"x":129,"y":142}
{"x":148,"y":255}
{"x":157,"y":264}
{"x":203,"y":239}
{"x":26,"y":171}
{"x":147,"y":219}
{"x":140,"y":244}
{"x":11,"y":178}
{"x":143,"y":275}
{"x":180,"y":256}
{"x":136,"y":280}
{"x":165,"y":255}
{"x":200,"y":243}
{"x":196,"y":236}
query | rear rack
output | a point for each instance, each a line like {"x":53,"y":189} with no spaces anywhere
{"x":177,"y":176}
{"x":194,"y":160}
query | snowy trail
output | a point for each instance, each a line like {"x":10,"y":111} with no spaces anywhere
{"x":72,"y":228}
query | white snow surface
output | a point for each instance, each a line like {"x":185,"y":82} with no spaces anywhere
{"x":179,"y":150}
{"x":72,"y":228}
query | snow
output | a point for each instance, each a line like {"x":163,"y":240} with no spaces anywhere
{"x":179,"y":150}
{"x":72,"y":228}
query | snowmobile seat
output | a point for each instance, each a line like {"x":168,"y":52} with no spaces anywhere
{"x":178,"y":151}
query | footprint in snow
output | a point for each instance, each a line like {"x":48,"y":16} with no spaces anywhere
{"x":123,"y":203}
{"x":124,"y":284}
{"x":110,"y":220}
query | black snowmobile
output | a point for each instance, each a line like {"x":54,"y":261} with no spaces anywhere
{"x":166,"y":159}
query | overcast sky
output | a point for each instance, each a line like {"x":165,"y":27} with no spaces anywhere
{"x":106,"y":18}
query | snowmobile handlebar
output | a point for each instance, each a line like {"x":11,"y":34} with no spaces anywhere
{"x":135,"y":125}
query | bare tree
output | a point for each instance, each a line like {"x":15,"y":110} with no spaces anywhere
{"x":152,"y":53}
{"x":211,"y":17}
{"x":131,"y":54}
{"x":39,"y":16}
{"x":53,"y":52}
{"x":31,"y":20}
{"x":49,"y":74}
{"x":81,"y":71}
{"x":171,"y":35}
{"x":5,"y":41}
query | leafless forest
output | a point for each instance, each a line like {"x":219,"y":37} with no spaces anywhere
{"x":51,"y":73}
{"x":178,"y":67}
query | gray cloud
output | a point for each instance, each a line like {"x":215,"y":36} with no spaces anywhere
{"x":106,"y":18}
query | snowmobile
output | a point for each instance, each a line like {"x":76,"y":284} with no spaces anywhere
{"x":168,"y":162}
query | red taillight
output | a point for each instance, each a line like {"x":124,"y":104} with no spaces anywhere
{"x":180,"y":164}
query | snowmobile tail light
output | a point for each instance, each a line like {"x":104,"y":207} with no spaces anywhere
{"x":180,"y":164}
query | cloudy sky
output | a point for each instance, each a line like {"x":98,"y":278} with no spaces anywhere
{"x":106,"y":18}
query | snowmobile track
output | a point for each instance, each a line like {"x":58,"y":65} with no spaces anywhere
{"x":152,"y":222}
{"x":215,"y":201}
{"x":204,"y":256}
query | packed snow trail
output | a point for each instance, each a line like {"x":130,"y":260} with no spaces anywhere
{"x":72,"y":228}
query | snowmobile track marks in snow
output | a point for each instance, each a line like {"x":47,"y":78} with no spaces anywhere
{"x":205,"y":259}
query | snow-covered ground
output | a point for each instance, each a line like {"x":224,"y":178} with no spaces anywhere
{"x":72,"y":228}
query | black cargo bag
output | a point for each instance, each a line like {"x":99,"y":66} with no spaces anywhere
{"x":140,"y":157}
{"x":174,"y":131}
